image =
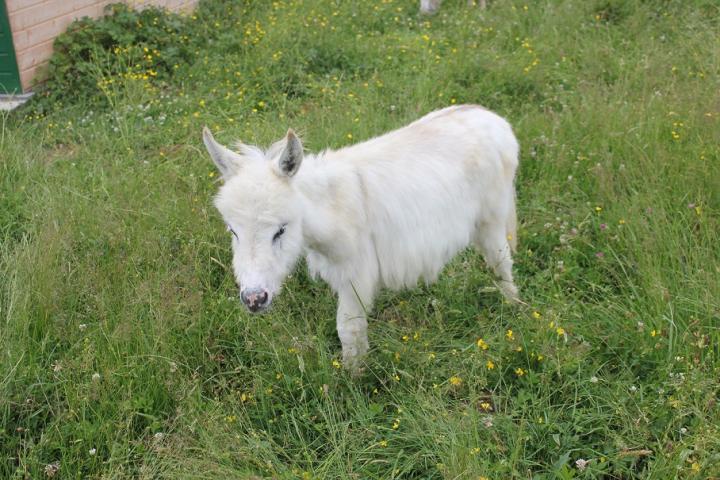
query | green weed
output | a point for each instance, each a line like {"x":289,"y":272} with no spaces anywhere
{"x":125,"y":351}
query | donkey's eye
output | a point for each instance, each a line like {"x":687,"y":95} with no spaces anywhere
{"x":231,"y":231}
{"x":279,"y":233}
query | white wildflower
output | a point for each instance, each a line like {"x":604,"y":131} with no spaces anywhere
{"x":52,"y":469}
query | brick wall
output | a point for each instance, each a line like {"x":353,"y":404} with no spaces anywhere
{"x":36,"y":23}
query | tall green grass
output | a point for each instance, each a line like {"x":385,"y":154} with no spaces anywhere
{"x":125,"y":352}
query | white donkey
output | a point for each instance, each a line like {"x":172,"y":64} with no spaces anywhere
{"x":431,"y":6}
{"x":383,"y":213}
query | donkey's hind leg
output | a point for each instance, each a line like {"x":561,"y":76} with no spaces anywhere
{"x":491,"y":240}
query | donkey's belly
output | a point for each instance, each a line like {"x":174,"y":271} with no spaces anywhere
{"x":402,"y":262}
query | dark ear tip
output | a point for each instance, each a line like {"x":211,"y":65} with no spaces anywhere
{"x":291,"y":133}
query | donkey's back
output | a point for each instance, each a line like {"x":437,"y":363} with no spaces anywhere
{"x":435,"y":186}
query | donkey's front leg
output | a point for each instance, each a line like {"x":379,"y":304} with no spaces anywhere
{"x":352,"y":326}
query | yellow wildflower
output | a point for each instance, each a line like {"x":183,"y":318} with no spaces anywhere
{"x":510,"y":335}
{"x":490,"y":365}
{"x":455,"y":381}
{"x":482,"y":344}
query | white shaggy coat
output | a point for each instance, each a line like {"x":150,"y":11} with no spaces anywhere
{"x":383,"y":213}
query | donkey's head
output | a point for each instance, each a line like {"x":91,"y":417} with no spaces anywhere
{"x":261,"y":209}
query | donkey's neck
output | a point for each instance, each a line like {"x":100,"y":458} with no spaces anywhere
{"x":333,"y":208}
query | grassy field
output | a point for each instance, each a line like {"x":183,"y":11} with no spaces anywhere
{"x":125,"y":350}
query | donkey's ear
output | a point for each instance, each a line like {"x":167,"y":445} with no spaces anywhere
{"x":292,"y":155}
{"x":227,"y":161}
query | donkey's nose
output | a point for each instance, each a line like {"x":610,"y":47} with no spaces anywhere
{"x":255,"y":299}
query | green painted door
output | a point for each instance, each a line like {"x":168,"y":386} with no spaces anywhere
{"x":9,"y":76}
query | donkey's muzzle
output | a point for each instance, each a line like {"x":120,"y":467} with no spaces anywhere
{"x":255,"y":299}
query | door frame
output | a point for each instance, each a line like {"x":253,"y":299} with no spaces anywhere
{"x":11,"y":84}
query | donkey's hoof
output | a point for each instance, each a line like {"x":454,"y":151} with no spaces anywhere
{"x":510,"y":291}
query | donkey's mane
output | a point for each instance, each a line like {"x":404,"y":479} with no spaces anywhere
{"x":249,"y":151}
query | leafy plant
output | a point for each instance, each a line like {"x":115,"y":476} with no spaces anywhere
{"x":149,"y":44}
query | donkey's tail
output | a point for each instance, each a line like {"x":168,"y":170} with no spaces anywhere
{"x":510,"y":157}
{"x":511,"y":224}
